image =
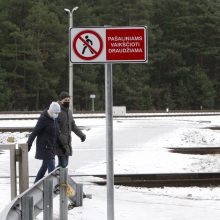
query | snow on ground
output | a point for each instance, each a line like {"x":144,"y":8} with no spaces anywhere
{"x":140,"y":146}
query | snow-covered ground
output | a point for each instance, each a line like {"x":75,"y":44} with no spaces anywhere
{"x":140,"y":146}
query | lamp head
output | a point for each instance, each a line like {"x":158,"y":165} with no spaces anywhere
{"x":67,"y":10}
{"x":75,"y":8}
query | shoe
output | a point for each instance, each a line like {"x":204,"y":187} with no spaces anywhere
{"x":71,"y":205}
{"x":88,"y":196}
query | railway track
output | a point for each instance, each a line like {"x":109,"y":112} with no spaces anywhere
{"x":35,"y":115}
{"x":154,"y":179}
{"x":150,"y":180}
{"x":28,"y":129}
{"x":128,"y":115}
{"x":196,"y":150}
{"x":164,"y":180}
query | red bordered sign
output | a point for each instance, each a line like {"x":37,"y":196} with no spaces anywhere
{"x":112,"y":44}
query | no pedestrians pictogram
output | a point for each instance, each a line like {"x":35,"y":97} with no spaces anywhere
{"x":87,"y":45}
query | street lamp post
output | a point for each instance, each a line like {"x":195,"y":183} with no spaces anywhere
{"x":70,"y":64}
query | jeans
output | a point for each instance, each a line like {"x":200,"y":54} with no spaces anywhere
{"x":46,"y":165}
{"x":63,"y":161}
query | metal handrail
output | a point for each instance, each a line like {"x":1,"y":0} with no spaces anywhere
{"x":16,"y":210}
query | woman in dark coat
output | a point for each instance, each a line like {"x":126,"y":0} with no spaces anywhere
{"x":46,"y":131}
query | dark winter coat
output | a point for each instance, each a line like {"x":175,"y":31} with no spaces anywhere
{"x":46,"y":131}
{"x":66,"y":125}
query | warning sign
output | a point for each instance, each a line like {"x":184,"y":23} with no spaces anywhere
{"x":115,"y":45}
{"x":125,"y":44}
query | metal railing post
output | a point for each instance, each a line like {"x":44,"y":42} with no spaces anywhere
{"x":13,"y":173}
{"x":27,"y":208}
{"x":79,"y":194}
{"x":63,"y":194}
{"x":23,"y":167}
{"x":48,"y":199}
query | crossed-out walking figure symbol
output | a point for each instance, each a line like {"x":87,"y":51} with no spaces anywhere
{"x":85,"y":46}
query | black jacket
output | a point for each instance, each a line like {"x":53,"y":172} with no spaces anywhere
{"x":66,"y":125}
{"x":46,"y":131}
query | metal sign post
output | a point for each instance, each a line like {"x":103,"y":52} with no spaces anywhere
{"x":92,"y":96}
{"x":109,"y":45}
{"x":109,"y":141}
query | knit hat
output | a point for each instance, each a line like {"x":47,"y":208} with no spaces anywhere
{"x":54,"y":107}
{"x":64,"y":95}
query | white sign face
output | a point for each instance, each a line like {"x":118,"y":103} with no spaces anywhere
{"x":92,"y":96}
{"x":87,"y":45}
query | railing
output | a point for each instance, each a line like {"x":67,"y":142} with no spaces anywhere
{"x":31,"y":201}
{"x":39,"y":197}
{"x":18,"y":153}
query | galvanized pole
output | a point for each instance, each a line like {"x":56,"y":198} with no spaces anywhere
{"x":27,"y":208}
{"x":70,"y":63}
{"x":109,"y":141}
{"x":63,"y":194}
{"x":92,"y":96}
{"x":13,"y":171}
{"x":48,"y":199}
{"x":23,"y":167}
{"x":93,"y":108}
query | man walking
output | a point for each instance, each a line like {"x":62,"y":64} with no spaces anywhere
{"x":66,"y":125}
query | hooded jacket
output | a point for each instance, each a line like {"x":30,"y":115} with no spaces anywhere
{"x":46,"y":131}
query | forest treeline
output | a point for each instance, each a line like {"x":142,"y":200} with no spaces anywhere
{"x":183,"y":71}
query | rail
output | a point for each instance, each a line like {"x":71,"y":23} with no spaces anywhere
{"x":163,"y":179}
{"x":27,"y":129}
{"x":39,"y":197}
{"x":195,"y":150}
{"x":18,"y":153}
{"x":35,"y":115}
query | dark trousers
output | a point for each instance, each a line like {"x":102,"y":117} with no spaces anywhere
{"x":46,"y":165}
{"x":63,"y":161}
